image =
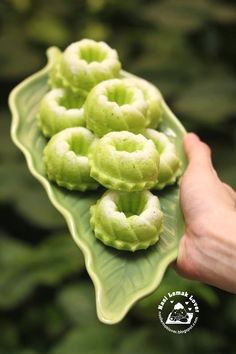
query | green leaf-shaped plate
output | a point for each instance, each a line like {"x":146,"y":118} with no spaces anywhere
{"x":120,"y":278}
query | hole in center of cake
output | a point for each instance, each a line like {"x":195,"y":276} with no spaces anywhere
{"x":92,"y":54}
{"x":131,"y":203}
{"x":79,"y":145}
{"x":120,"y":94}
{"x":70,"y":101}
{"x":128,"y":145}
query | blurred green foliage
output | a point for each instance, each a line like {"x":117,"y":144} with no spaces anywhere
{"x":187,"y":48}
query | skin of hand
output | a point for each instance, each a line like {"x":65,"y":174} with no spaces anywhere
{"x":207,"y":250}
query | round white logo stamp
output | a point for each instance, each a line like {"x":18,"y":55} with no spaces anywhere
{"x":178,"y":312}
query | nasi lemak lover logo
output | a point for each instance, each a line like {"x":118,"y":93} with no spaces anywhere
{"x":178,"y":311}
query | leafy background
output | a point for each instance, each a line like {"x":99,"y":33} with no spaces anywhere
{"x":187,"y":48}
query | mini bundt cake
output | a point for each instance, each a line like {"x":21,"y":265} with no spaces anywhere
{"x":60,"y":109}
{"x":66,"y":159}
{"x":115,"y":105}
{"x":125,"y":161}
{"x":127,"y":221}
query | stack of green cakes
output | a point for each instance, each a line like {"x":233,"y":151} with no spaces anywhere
{"x":102,"y":129}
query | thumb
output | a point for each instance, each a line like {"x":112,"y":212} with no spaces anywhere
{"x":198,"y":153}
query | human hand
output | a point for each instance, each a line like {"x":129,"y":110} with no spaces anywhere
{"x":207,"y":250}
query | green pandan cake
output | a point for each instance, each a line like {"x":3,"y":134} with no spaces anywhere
{"x":127,"y":221}
{"x":115,"y":105}
{"x":125,"y":161}
{"x":60,"y":109}
{"x":86,"y":63}
{"x":66,"y":159}
{"x":169,"y":161}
